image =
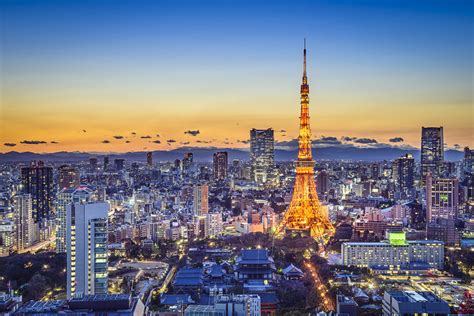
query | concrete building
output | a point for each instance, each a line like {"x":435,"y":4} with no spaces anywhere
{"x":69,"y":177}
{"x":442,"y":198}
{"x":401,"y":303}
{"x":24,"y":223}
{"x":213,"y":224}
{"x":432,"y":151}
{"x":220,"y":165}
{"x":7,"y":237}
{"x":67,"y":196}
{"x":228,"y":305}
{"x":397,"y":253}
{"x":87,"y":248}
{"x":200,"y":200}
{"x":262,"y":156}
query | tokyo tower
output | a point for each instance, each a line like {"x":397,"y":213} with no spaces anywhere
{"x":305,"y":215}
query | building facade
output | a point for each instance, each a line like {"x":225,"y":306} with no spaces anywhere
{"x":220,"y":165}
{"x":201,"y":200}
{"x":87,"y":248}
{"x":69,"y":177}
{"x":24,"y":222}
{"x":432,"y":151}
{"x":262,"y":155}
{"x":442,"y":198}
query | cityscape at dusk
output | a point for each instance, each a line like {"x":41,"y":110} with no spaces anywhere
{"x":236,"y":158}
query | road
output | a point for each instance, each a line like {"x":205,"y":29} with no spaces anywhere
{"x":328,"y":302}
{"x":37,"y":247}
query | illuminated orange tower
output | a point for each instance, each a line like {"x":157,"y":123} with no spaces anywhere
{"x":305,"y":215}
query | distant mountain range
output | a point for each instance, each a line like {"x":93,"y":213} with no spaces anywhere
{"x":205,"y":154}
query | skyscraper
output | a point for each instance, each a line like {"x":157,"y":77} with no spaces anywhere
{"x":68,"y":196}
{"x":37,"y":180}
{"x":187,"y":161}
{"x":305,"y":214}
{"x":149,"y":159}
{"x":442,"y":198}
{"x":262,"y":154}
{"x":432,"y":151}
{"x":106,"y":163}
{"x":201,"y":196}
{"x":220,"y":165}
{"x":69,"y":177}
{"x":468,"y":161}
{"x":93,"y":164}
{"x":403,"y":173}
{"x":119,"y":164}
{"x":87,"y":248}
{"x":24,"y":223}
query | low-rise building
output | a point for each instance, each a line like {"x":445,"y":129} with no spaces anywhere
{"x":398,"y":303}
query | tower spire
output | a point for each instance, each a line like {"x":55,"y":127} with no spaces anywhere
{"x":305,"y":78}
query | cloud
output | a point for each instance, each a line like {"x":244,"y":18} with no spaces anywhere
{"x":146,"y":136}
{"x":106,"y":141}
{"x":282,"y":131}
{"x":10,"y":144}
{"x":156,"y":141}
{"x":327,"y":140}
{"x":84,"y":131}
{"x":133,"y":133}
{"x":457,"y":146}
{"x":33,"y":142}
{"x":365,"y":141}
{"x":348,"y":138}
{"x":396,"y":140}
{"x":204,"y":141}
{"x":157,"y":135}
{"x":245,"y":141}
{"x":118,"y":137}
{"x":127,"y":142}
{"x":184,"y":143}
{"x":54,"y":142}
{"x":171,"y":141}
{"x":193,"y":133}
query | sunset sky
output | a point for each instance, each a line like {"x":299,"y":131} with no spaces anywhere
{"x":102,"y":76}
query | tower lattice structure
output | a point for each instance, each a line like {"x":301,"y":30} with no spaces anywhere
{"x":305,"y":215}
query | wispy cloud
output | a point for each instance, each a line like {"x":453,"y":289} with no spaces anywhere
{"x":33,"y":142}
{"x":192,"y":132}
{"x":10,"y":144}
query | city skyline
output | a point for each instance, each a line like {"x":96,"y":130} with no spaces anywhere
{"x":95,"y":85}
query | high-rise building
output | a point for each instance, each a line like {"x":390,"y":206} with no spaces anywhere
{"x":87,"y":248}
{"x":119,"y":164}
{"x":149,"y":158}
{"x":213,"y":224}
{"x":69,"y":177}
{"x":93,"y":164}
{"x":262,"y":156}
{"x":7,"y":237}
{"x":443,"y":229}
{"x":305,"y":215}
{"x":322,"y":183}
{"x":187,"y":161}
{"x":106,"y":163}
{"x":201,"y":203}
{"x":24,"y":222}
{"x":432,"y":151}
{"x":468,"y":161}
{"x":220,"y":165}
{"x":403,"y":173}
{"x":82,"y":194}
{"x":37,"y":180}
{"x":442,"y":198}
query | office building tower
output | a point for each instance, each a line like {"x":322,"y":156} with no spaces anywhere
{"x":442,"y":198}
{"x":201,"y":196}
{"x":7,"y":237}
{"x":149,"y":159}
{"x":346,"y":306}
{"x":213,"y":224}
{"x":401,"y":303}
{"x":87,"y":248}
{"x":37,"y":180}
{"x":106,"y":163}
{"x":93,"y":164}
{"x":69,"y":177}
{"x":68,"y":196}
{"x":395,"y":255}
{"x":443,"y":229}
{"x":322,"y":183}
{"x":468,"y":161}
{"x":262,"y":154}
{"x":24,"y":222}
{"x":187,"y":161}
{"x":119,"y":164}
{"x":432,"y":151}
{"x":220,"y":165}
{"x":403,"y":170}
